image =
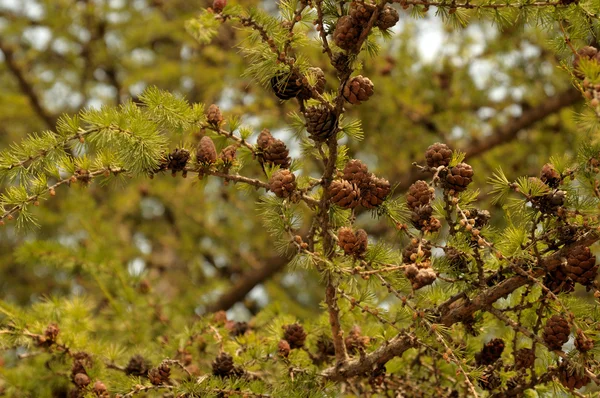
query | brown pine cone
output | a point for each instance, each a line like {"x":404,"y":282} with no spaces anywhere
{"x":321,"y":123}
{"x":438,"y":154}
{"x":137,"y":366}
{"x":51,"y":332}
{"x":490,"y":381}
{"x":325,"y":346}
{"x":100,"y":390}
{"x":228,"y":155}
{"x":457,"y":259}
{"x":557,"y":282}
{"x":283,"y":348}
{"x":419,"y":194}
{"x":357,"y":172}
{"x":481,"y":217}
{"x":358,"y":89}
{"x":277,"y":153}
{"x":556,"y":332}
{"x":223,"y":365}
{"x":238,"y":328}
{"x":353,"y":243}
{"x":425,"y":277}
{"x":571,"y":379}
{"x":346,"y":33}
{"x":459,"y":177}
{"x":355,"y":341}
{"x":581,"y":265}
{"x":319,"y":86}
{"x":264,"y":139}
{"x":286,"y":86}
{"x":490,"y":353}
{"x":549,"y":203}
{"x":550,"y":176}
{"x":214,"y":116}
{"x":361,"y":12}
{"x":81,"y":362}
{"x":524,"y":358}
{"x":206,"y":153}
{"x":295,"y":335}
{"x":375,"y":192}
{"x":344,"y":194}
{"x":587,"y":52}
{"x":415,"y":250}
{"x":177,"y":160}
{"x":387,"y":18}
{"x":81,"y":380}
{"x":282,"y":183}
{"x":159,"y":375}
{"x":582,"y":342}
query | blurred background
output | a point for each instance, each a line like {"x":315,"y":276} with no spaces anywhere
{"x":500,"y":96}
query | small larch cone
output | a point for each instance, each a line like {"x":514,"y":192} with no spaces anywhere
{"x":425,"y":277}
{"x":387,"y":18}
{"x":228,"y":155}
{"x":582,"y":342}
{"x":438,"y":154}
{"x":223,"y":365}
{"x":490,"y":380}
{"x":361,"y":12}
{"x":177,"y":160}
{"x":353,"y":243}
{"x":491,"y":352}
{"x":524,"y":358}
{"x":457,"y":259}
{"x":357,"y":172}
{"x":346,"y":33}
{"x":556,"y":332}
{"x":219,"y":5}
{"x":295,"y":335}
{"x":344,"y":194}
{"x":214,"y":117}
{"x":416,"y":250}
{"x":81,"y":380}
{"x":206,"y":153}
{"x":286,"y":85}
{"x":264,"y":139}
{"x":100,"y":389}
{"x":160,"y":374}
{"x":282,"y":183}
{"x":277,"y":153}
{"x":550,"y":176}
{"x":355,"y":341}
{"x":587,"y":52}
{"x":581,"y":265}
{"x":459,"y":177}
{"x":306,"y":93}
{"x":419,"y":194}
{"x":137,"y":366}
{"x":358,"y":90}
{"x":571,"y":379}
{"x":321,"y":122}
{"x":283,"y":348}
{"x":374,"y":193}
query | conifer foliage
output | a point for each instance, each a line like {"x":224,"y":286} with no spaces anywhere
{"x":453,"y":307}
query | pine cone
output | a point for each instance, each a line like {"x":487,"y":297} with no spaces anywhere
{"x":459,"y":177}
{"x":344,"y":194}
{"x":587,"y":52}
{"x":277,"y":153}
{"x":325,"y":346}
{"x":319,"y":86}
{"x":425,"y":277}
{"x":159,"y":375}
{"x":355,"y":341}
{"x":413,"y":251}
{"x":387,"y":18}
{"x":346,"y":33}
{"x":558,"y":282}
{"x":581,"y":265}
{"x":81,"y":380}
{"x":295,"y":335}
{"x":286,"y":86}
{"x":490,"y":381}
{"x":438,"y":154}
{"x":321,"y":123}
{"x":282,"y":183}
{"x":283,"y":348}
{"x":177,"y":160}
{"x":214,"y":116}
{"x":549,"y":203}
{"x":51,"y":332}
{"x":357,"y":172}
{"x":353,"y":243}
{"x":550,"y":176}
{"x":100,"y":390}
{"x":357,"y":90}
{"x":457,"y":259}
{"x":206,"y":153}
{"x":582,"y":342}
{"x":491,"y":352}
{"x":81,"y":362}
{"x":228,"y":155}
{"x":419,"y":194}
{"x":571,"y":379}
{"x":238,"y":328}
{"x":223,"y":365}
{"x":375,"y":192}
{"x":524,"y":358}
{"x":556,"y":332}
{"x":264,"y":139}
{"x":137,"y":366}
{"x":481,"y":217}
{"x":361,"y":12}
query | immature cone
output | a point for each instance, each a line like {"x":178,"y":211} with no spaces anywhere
{"x":459,"y":177}
{"x":587,"y":52}
{"x":571,"y":379}
{"x":265,"y":138}
{"x":223,"y":366}
{"x":277,"y":153}
{"x":346,"y":33}
{"x":357,"y":90}
{"x":228,"y":154}
{"x":219,"y":5}
{"x":356,"y":342}
{"x":295,"y":335}
{"x":524,"y":358}
{"x":425,"y":277}
{"x":100,"y":389}
{"x":137,"y":366}
{"x":550,"y":176}
{"x":361,"y":12}
{"x":177,"y":160}
{"x":159,"y":375}
{"x":387,"y":18}
{"x":438,"y":154}
{"x":206,"y":153}
{"x":283,"y":348}
{"x":321,"y":123}
{"x":51,"y":332}
{"x":357,"y":172}
{"x":415,"y":250}
{"x":344,"y":194}
{"x":282,"y":183}
{"x":353,"y":243}
{"x":556,"y":332}
{"x":491,"y":352}
{"x":419,"y":194}
{"x":214,"y":116}
{"x":582,"y":342}
{"x":81,"y":380}
{"x":286,"y":86}
{"x":319,"y":86}
{"x":375,"y":192}
{"x":581,"y":265}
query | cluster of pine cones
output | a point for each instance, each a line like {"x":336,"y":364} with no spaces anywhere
{"x":350,"y":27}
{"x":358,"y":186}
{"x":417,"y":257}
{"x":294,"y":337}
